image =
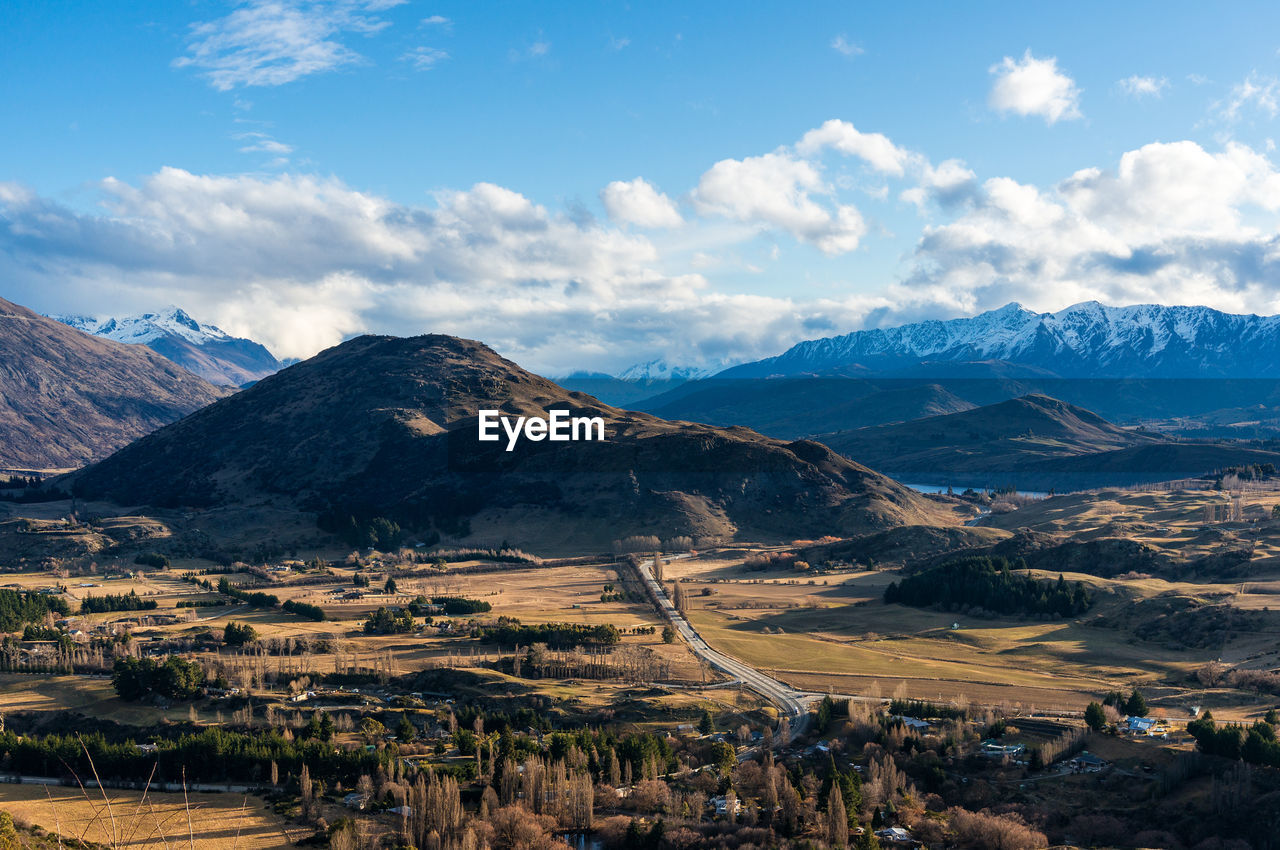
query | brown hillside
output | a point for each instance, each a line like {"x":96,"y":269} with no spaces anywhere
{"x":67,"y":398}
{"x":382,"y":426}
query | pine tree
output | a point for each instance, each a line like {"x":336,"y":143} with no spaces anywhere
{"x":1095,"y":717}
{"x":1136,"y":705}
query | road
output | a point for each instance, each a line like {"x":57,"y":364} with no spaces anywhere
{"x":789,"y":702}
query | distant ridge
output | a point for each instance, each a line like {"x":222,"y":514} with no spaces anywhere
{"x":1033,"y":442}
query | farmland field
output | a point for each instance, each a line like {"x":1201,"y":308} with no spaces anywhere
{"x":151,"y":821}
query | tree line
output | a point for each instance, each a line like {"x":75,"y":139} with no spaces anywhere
{"x":1257,"y":744}
{"x":992,"y":584}
{"x":20,"y":607}
{"x":130,"y":601}
{"x":554,"y":635}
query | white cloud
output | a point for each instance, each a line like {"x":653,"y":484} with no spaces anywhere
{"x":841,"y":44}
{"x":262,"y":143}
{"x":1136,"y":86}
{"x":638,"y":202}
{"x":1172,"y":223}
{"x":1256,"y":91}
{"x":776,"y":190}
{"x":424,"y":58}
{"x":1032,"y":86}
{"x":301,"y":262}
{"x":875,"y":148}
{"x":437,"y":21}
{"x":273,"y":42}
{"x":618,"y":43}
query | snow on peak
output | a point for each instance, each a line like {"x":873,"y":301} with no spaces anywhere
{"x":661,"y":370}
{"x":1085,"y":339}
{"x":148,"y":327}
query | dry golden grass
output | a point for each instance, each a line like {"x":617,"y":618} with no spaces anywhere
{"x":217,"y":821}
{"x":835,"y":633}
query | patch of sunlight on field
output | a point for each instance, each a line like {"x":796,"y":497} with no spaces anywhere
{"x":219,"y":821}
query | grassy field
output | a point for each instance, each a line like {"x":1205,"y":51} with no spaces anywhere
{"x":833,"y":632}
{"x":220,"y":821}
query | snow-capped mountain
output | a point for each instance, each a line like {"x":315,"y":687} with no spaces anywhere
{"x":147,"y":328}
{"x":662,"y":370}
{"x":208,"y":351}
{"x":1088,"y":340}
{"x":635,"y":382}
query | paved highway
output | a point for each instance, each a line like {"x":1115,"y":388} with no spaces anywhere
{"x":789,"y":702}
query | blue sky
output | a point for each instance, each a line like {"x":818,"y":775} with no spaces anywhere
{"x":304,"y":171}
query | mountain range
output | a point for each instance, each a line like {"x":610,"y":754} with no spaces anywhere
{"x":204,"y":350}
{"x":1088,"y":340}
{"x":386,"y":426}
{"x":68,"y":398}
{"x":1194,"y":371}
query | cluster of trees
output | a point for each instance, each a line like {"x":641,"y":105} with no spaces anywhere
{"x":461,"y":606}
{"x":1215,"y":674}
{"x":18,"y":608}
{"x":22,"y":482}
{"x":210,"y":755}
{"x":509,"y":632}
{"x":238,"y":634}
{"x":379,"y":532}
{"x":761,"y":561}
{"x":256,"y":599}
{"x":152,"y":559}
{"x":130,"y":601}
{"x":176,"y":678}
{"x":922,"y":709}
{"x":992,"y":584}
{"x":383,"y":622}
{"x":1133,"y":705}
{"x":1256,"y":744}
{"x":305,"y":610}
{"x":503,"y":554}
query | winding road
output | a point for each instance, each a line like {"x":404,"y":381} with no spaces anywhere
{"x":789,"y":702}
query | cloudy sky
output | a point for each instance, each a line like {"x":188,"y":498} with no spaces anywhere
{"x":589,"y":185}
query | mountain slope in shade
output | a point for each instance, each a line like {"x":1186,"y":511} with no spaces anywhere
{"x":1003,"y":438}
{"x":382,"y":426}
{"x":616,"y":391}
{"x":1088,"y":340}
{"x":796,"y":407}
{"x":205,"y":350}
{"x":67,"y":398}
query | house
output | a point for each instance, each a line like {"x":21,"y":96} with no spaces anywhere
{"x":895,"y":835}
{"x":147,"y":748}
{"x":1149,"y":726}
{"x":992,"y":748}
{"x":402,"y":811}
{"x":915,"y":724}
{"x":1087,"y":762}
{"x":727,"y":805}
{"x":355,"y":801}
